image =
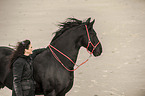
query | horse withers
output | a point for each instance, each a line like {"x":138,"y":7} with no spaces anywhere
{"x":54,"y":67}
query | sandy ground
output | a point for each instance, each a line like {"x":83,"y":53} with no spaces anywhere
{"x":120,"y":25}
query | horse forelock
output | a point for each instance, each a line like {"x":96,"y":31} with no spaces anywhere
{"x":69,"y":23}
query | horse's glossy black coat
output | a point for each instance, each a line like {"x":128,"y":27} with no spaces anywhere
{"x":51,"y":77}
{"x":5,"y":52}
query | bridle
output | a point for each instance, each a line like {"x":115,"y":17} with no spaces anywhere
{"x":89,"y":42}
{"x":57,"y":58}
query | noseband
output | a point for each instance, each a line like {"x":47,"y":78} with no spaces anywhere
{"x":57,"y":58}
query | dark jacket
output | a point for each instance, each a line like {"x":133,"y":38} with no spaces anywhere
{"x":23,"y":82}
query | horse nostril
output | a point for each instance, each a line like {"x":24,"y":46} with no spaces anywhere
{"x":98,"y":51}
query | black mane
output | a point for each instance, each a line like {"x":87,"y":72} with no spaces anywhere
{"x":69,"y":23}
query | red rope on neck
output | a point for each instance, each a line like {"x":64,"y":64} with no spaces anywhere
{"x":56,"y":57}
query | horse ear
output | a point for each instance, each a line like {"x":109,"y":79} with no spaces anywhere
{"x":88,"y":20}
{"x":91,"y":24}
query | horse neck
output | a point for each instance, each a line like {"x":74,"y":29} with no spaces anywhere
{"x":67,"y":44}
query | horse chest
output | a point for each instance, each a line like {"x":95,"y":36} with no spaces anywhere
{"x":63,"y":83}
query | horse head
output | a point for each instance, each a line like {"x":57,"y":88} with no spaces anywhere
{"x":90,"y":39}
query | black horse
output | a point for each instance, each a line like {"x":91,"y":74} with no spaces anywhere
{"x":51,"y":75}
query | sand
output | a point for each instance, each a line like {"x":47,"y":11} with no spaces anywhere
{"x":120,"y":26}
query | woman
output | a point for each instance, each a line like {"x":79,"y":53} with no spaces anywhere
{"x":21,"y":65}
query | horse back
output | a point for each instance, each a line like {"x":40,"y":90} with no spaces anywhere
{"x":5,"y":53}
